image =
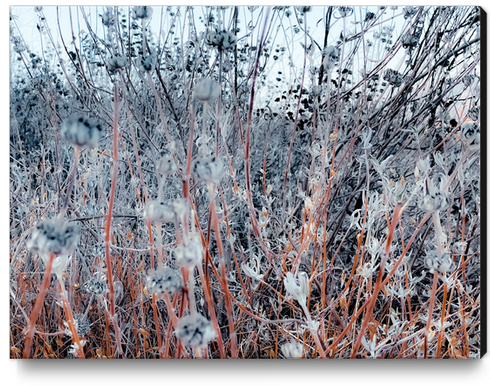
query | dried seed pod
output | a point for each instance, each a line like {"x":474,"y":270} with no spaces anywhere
{"x":437,"y":261}
{"x":331,"y":56}
{"x":117,"y":62}
{"x":190,"y":253}
{"x":81,"y":131}
{"x":108,"y":18}
{"x":470,"y":135}
{"x":303,"y":9}
{"x":82,"y":325}
{"x":164,"y":280}
{"x":435,"y":201}
{"x":146,"y":63}
{"x":96,"y":286}
{"x":345,"y":11}
{"x":159,"y":212}
{"x":208,"y":169}
{"x":474,"y":113}
{"x":207,"y":89}
{"x":54,"y":236}
{"x":165,"y":165}
{"x":143,"y":12}
{"x":222,"y":40}
{"x":393,"y":77}
{"x":293,"y":350}
{"x":195,"y":331}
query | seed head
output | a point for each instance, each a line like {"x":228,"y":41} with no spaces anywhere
{"x":116,"y":63}
{"x":165,"y":165}
{"x":108,"y":19}
{"x":435,"y":197}
{"x":159,"y":212}
{"x":437,"y":261}
{"x":207,"y":89}
{"x":222,"y":40}
{"x":293,"y":350}
{"x":143,"y":12}
{"x":54,"y":236}
{"x":96,"y":286}
{"x":470,"y":135}
{"x":195,"y":331}
{"x":81,"y":131}
{"x":146,"y":63}
{"x":189,"y":254}
{"x":164,"y":280}
{"x":208,"y":169}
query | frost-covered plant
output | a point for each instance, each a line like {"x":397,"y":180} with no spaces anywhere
{"x":307,"y":170}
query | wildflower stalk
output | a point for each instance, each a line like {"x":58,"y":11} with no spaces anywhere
{"x":189,"y":154}
{"x":212,"y":312}
{"x":69,"y":319}
{"x":161,"y":257}
{"x":37,"y":306}
{"x":71,"y":182}
{"x":379,"y":280}
{"x":172,"y":322}
{"x":359,"y":312}
{"x":229,"y":309}
{"x":440,"y":250}
{"x":316,"y":335}
{"x":295,"y":124}
{"x":112,"y":299}
{"x":431,"y":308}
{"x":251,"y":209}
{"x":157,"y":324}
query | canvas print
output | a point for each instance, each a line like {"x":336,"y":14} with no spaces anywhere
{"x":246,"y":182}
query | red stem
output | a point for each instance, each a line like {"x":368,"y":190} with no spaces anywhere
{"x":112,"y":300}
{"x":37,"y":306}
